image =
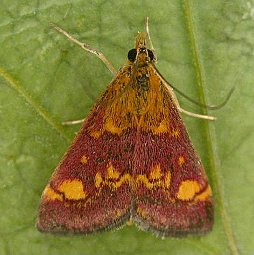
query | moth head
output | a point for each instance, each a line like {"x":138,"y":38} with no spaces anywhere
{"x":140,"y":53}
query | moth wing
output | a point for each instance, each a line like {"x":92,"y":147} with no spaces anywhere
{"x":90,"y":188}
{"x":172,"y":195}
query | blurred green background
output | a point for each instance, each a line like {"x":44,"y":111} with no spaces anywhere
{"x":204,"y":48}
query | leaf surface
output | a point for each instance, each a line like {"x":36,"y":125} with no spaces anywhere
{"x":204,"y":48}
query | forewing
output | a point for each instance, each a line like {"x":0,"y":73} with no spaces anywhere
{"x":172,"y":194}
{"x":90,"y":189}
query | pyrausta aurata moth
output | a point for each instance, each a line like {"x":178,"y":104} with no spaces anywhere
{"x":132,"y":160}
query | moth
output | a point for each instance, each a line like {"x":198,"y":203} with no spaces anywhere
{"x":131,"y":161}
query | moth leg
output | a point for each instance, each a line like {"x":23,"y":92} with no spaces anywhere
{"x":87,"y":47}
{"x":195,"y":115}
{"x":72,"y":122}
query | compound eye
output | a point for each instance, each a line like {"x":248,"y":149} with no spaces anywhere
{"x":132,"y":55}
{"x":150,"y":54}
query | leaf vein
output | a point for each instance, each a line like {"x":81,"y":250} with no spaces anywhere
{"x":200,"y":76}
{"x":38,"y":108}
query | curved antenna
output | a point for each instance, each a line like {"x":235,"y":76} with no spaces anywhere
{"x":211,"y":107}
{"x":149,"y":38}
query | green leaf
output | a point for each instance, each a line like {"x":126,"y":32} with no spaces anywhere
{"x":204,"y":48}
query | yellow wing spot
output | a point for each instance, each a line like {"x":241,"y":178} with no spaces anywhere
{"x":112,"y":173}
{"x":98,"y":180}
{"x":110,"y":127}
{"x":187,"y":190}
{"x":156,"y":172}
{"x":83,"y":160}
{"x":167,"y":179}
{"x":124,"y":178}
{"x":72,"y":189}
{"x":205,"y":194}
{"x":50,"y":194}
{"x":175,"y":133}
{"x":181,"y":161}
{"x":162,"y":128}
{"x":142,"y":178}
{"x":95,"y":134}
{"x":156,"y":179}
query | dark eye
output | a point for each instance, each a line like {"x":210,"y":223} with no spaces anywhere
{"x":150,"y":54}
{"x":132,"y":55}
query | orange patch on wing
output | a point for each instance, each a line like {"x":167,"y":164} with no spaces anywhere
{"x":205,"y":194}
{"x":175,"y":133}
{"x":155,"y":179}
{"x":113,"y":178}
{"x":142,"y":178}
{"x":188,"y":189}
{"x":167,"y":179}
{"x":50,"y":194}
{"x":112,"y":173}
{"x":162,"y":128}
{"x":110,"y":127}
{"x":181,"y":161}
{"x":98,"y":181}
{"x":83,"y":160}
{"x":72,"y":189}
{"x":95,"y":134}
{"x":125,"y":178}
{"x":156,"y":172}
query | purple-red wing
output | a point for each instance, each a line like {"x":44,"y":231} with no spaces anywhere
{"x":116,"y":162}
